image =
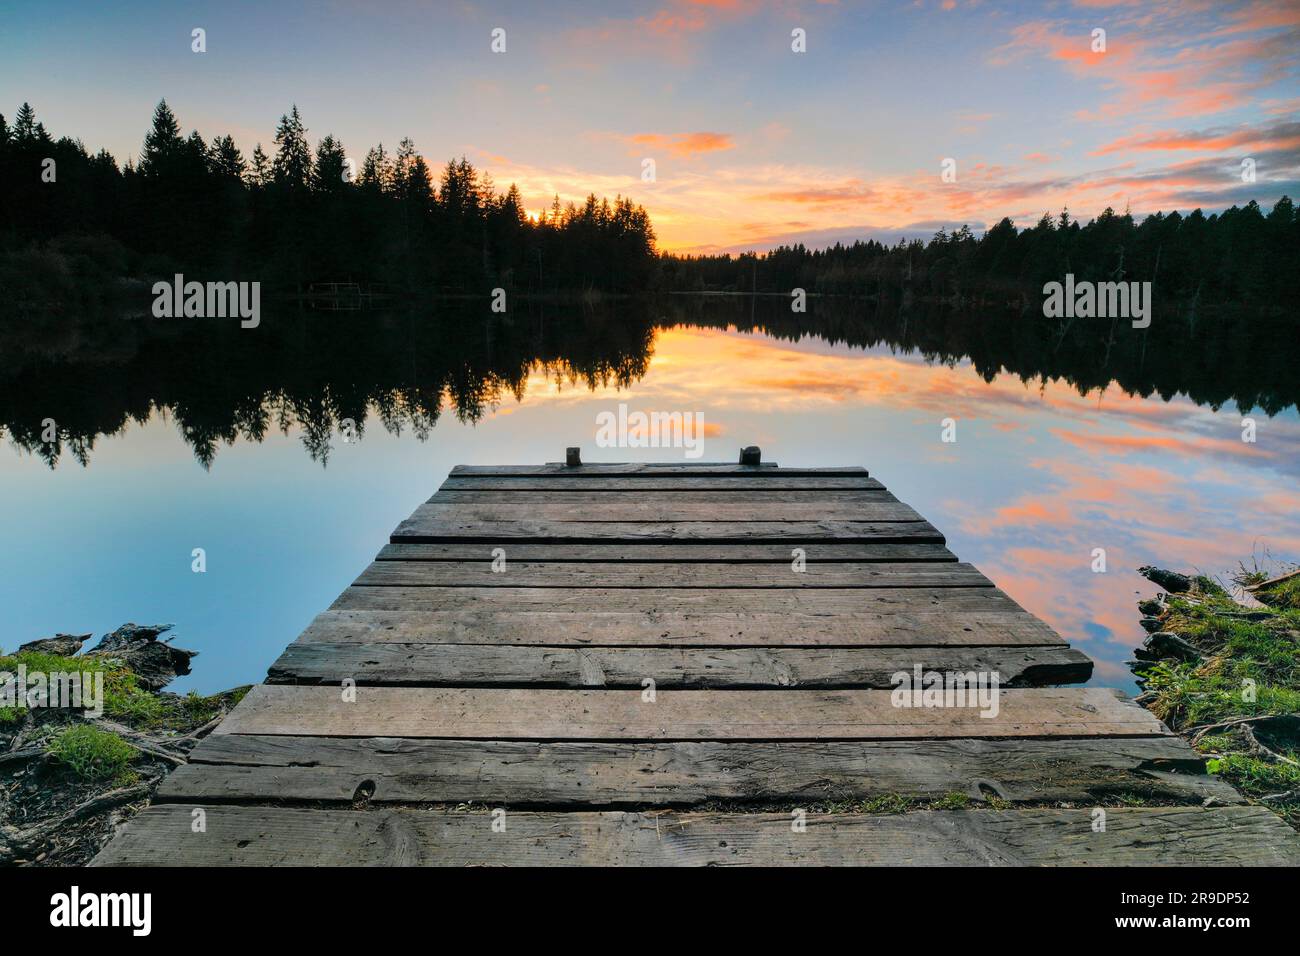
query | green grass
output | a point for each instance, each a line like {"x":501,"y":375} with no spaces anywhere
{"x":1249,"y":668}
{"x":124,"y":699}
{"x":92,"y":754}
{"x":1284,"y":596}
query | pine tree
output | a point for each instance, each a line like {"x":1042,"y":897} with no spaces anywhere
{"x":259,"y":173}
{"x":512,"y":205}
{"x":225,"y":158}
{"x":331,"y":161}
{"x":291,"y":168}
{"x":163,"y":144}
{"x":376,"y":171}
{"x":419,"y":182}
{"x":195,"y":152}
{"x":402,"y":166}
{"x":25,"y":125}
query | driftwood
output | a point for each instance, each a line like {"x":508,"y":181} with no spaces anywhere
{"x":1163,"y":644}
{"x":155,"y":663}
{"x":63,"y":644}
{"x":1274,"y":582}
{"x":1171,"y":581}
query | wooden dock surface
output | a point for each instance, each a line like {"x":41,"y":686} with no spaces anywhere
{"x":683,"y":664}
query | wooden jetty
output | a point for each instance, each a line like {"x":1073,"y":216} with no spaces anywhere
{"x":682,"y":664}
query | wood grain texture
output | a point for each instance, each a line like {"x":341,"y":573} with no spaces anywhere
{"x":431,"y":616}
{"x":681,"y":469}
{"x":545,"y":574}
{"x":783,"y":481}
{"x":266,"y":836}
{"x":575,"y":774}
{"x":668,"y":552}
{"x":705,"y":601}
{"x":527,"y":714}
{"x":635,"y":508}
{"x":482,"y":665}
{"x":689,"y":499}
{"x":458,"y":526}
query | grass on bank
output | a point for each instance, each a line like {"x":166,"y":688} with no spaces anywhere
{"x":1239,"y":703}
{"x":91,"y":752}
{"x":94,"y":755}
{"x":125,"y":700}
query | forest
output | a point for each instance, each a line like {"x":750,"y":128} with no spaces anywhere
{"x":1242,"y":256}
{"x":290,"y":217}
{"x":77,"y":229}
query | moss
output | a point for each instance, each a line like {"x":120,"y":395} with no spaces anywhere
{"x":93,"y":754}
{"x":1209,"y":587}
{"x":887,"y":803}
{"x":1283,"y":596}
{"x":125,"y":700}
{"x":1249,"y":668}
{"x":954,"y":800}
{"x":123,"y":697}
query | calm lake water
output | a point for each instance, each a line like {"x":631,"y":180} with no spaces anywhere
{"x":181,"y":435}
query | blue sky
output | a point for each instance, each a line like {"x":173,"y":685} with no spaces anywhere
{"x":752,"y":142}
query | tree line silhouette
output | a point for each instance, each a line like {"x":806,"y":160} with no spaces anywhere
{"x":290,"y":217}
{"x":294,"y":216}
{"x":1240,"y":256}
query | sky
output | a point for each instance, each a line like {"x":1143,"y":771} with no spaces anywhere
{"x":753,"y":144}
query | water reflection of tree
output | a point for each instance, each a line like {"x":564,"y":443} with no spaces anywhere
{"x":308,"y":373}
{"x":1224,"y":356}
{"x":312,"y":373}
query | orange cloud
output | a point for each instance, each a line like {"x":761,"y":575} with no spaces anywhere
{"x":684,"y":144}
{"x":850,"y":191}
{"x":1280,"y":136}
{"x":1186,"y":446}
{"x":1151,"y":66}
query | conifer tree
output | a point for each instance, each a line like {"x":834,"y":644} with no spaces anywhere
{"x":292,"y":166}
{"x":163,"y":143}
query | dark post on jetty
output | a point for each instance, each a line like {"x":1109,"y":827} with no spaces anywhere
{"x":584,"y":653}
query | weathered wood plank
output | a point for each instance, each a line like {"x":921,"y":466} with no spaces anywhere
{"x":526,"y":714}
{"x":704,"y":601}
{"x":477,"y":665}
{"x":423,"y":527}
{"x":263,"y":836}
{"x":682,"y":469}
{"x":567,"y":773}
{"x":615,"y":501}
{"x":783,"y":481}
{"x":478,"y":686}
{"x":530,"y":574}
{"x":369,"y":615}
{"x":815,"y":552}
{"x":588,"y":510}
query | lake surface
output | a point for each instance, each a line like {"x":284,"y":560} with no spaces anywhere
{"x":185,"y":434}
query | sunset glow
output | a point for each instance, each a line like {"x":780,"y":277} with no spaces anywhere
{"x":753,"y":144}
